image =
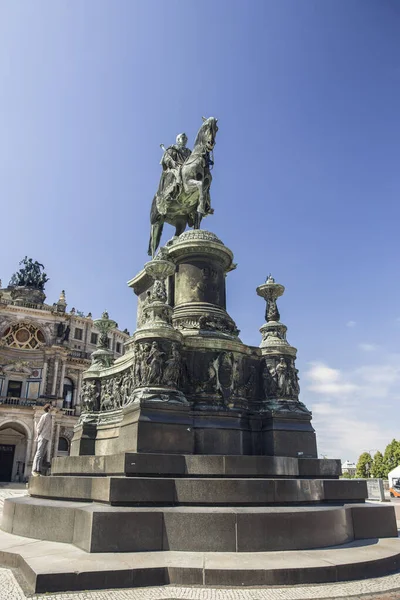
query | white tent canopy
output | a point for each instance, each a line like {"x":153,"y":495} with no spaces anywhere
{"x":394,"y":474}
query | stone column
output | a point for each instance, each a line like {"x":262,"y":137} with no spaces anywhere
{"x":24,"y":389}
{"x":78,"y":390}
{"x":42,"y":389}
{"x":202,"y":262}
{"x":28,"y":455}
{"x":57,"y":439}
{"x":53,"y":387}
{"x":50,"y":444}
{"x":61,"y":388}
{"x":75,"y":393}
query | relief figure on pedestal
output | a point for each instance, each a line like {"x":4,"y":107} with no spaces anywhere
{"x":270,"y":384}
{"x":89,"y":395}
{"x":117,"y":398}
{"x":144,"y":367}
{"x":107,"y":395}
{"x":210,"y":384}
{"x":282,"y":375}
{"x":137,"y":365}
{"x":173,"y":367}
{"x":251,"y":384}
{"x":155,"y":361}
{"x":294,"y":379}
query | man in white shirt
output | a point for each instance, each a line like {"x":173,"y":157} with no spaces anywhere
{"x":43,"y":436}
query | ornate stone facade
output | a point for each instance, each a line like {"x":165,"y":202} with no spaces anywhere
{"x":44,"y":350}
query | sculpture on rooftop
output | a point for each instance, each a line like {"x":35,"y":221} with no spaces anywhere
{"x":31,"y":275}
{"x":183,"y":195}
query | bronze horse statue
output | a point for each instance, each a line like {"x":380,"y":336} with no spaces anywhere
{"x":183,"y":195}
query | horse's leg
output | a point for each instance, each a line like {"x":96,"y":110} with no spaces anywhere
{"x":158,"y":229}
{"x":180,"y":226}
{"x":197,"y":219}
{"x":155,"y":237}
{"x":201,"y":207}
{"x":191,"y":186}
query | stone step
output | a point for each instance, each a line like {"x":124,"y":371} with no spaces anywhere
{"x":180,"y":465}
{"x":60,"y":567}
{"x":101,"y":528}
{"x":198,"y":491}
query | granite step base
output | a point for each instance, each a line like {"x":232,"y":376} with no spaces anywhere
{"x":135,"y":464}
{"x":164,"y":491}
{"x":60,"y":567}
{"x":99,"y":528}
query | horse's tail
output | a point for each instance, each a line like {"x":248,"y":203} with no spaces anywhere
{"x":154,"y":214}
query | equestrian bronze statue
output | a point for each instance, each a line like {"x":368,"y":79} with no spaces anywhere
{"x":183,"y":195}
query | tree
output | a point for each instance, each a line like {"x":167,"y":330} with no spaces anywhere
{"x":347,"y":475}
{"x":363,"y":468}
{"x":391,"y":458}
{"x":378,"y":468}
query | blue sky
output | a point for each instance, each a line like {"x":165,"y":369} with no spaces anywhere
{"x":306,"y":178}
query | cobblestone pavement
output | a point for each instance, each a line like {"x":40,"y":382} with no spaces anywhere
{"x":381,"y":588}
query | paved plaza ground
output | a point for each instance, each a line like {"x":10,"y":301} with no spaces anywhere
{"x":382,"y":588}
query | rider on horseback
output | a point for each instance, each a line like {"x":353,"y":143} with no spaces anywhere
{"x":183,"y":195}
{"x":171,"y":178}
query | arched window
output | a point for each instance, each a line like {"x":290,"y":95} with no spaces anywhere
{"x":23,"y":336}
{"x":68,"y":391}
{"x":63,"y":445}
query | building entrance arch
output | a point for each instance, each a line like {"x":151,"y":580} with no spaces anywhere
{"x":15,"y":449}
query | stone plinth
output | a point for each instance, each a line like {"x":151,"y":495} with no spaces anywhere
{"x":185,"y":355}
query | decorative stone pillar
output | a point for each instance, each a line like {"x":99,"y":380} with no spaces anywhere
{"x":102,"y":357}
{"x":280,"y":385}
{"x":157,"y":345}
{"x":54,"y":385}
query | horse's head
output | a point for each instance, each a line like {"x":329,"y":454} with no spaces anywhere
{"x":207,"y":133}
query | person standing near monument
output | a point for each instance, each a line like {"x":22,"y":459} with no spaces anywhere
{"x":43,"y":436}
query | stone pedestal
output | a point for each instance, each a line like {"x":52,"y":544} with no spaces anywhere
{"x":26,"y":294}
{"x":199,"y":293}
{"x":185,"y":358}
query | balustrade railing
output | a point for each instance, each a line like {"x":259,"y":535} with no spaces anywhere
{"x":23,"y":304}
{"x":12,"y":401}
{"x":27,"y":402}
{"x":79,"y":354}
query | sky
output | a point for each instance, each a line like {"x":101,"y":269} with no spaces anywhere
{"x":305,"y":185}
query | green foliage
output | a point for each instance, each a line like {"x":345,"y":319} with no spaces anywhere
{"x":347,"y":476}
{"x":381,"y":464}
{"x":391,"y":458}
{"x":363,"y":468}
{"x":378,"y":468}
